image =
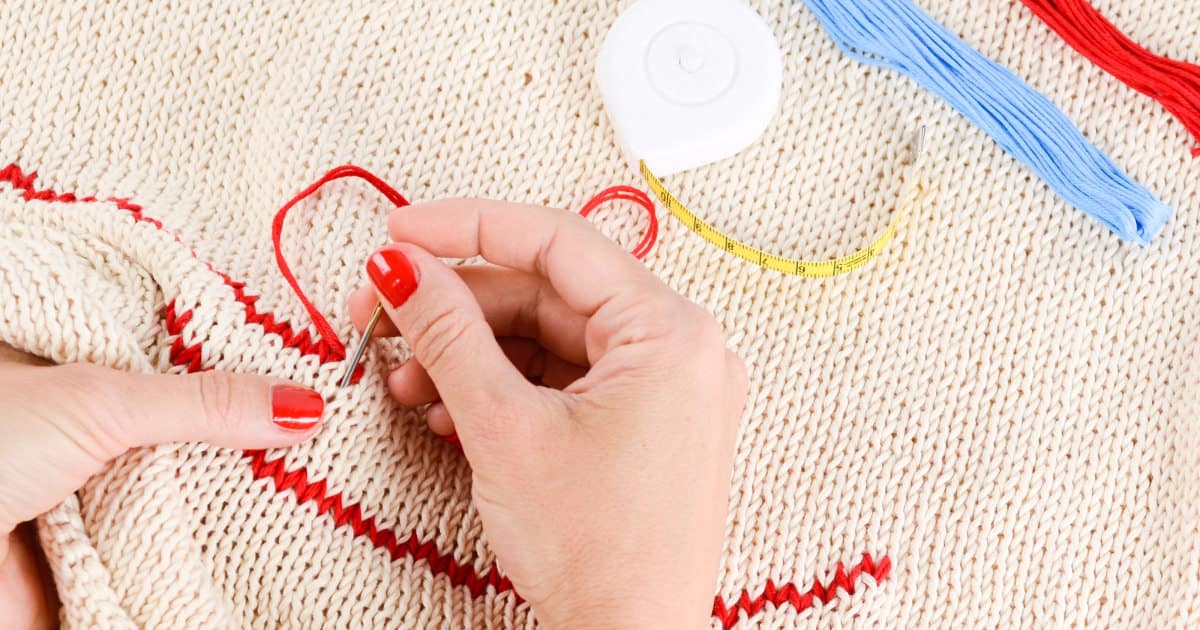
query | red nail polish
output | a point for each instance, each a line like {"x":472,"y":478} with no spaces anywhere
{"x":296,"y":408}
{"x":393,"y":275}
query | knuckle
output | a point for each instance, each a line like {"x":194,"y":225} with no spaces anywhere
{"x":673,"y":307}
{"x":701,"y":329}
{"x":564,"y":228}
{"x":216,"y":393}
{"x":435,"y":335}
{"x":698,"y":336}
{"x":648,"y":325}
{"x":667,"y":324}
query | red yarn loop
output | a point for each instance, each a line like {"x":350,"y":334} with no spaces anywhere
{"x":628,"y":193}
{"x":336,"y":349}
{"x":1174,"y":84}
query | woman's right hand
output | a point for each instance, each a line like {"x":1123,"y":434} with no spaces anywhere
{"x":603,"y":490}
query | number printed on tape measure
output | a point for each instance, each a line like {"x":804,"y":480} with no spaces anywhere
{"x":805,"y":268}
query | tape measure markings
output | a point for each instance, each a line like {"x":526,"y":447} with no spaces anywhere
{"x":914,"y":191}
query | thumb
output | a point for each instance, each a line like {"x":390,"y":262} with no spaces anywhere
{"x":438,"y":316}
{"x":219,"y":408}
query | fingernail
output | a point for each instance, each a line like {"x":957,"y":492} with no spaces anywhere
{"x":393,"y":275}
{"x":296,"y":408}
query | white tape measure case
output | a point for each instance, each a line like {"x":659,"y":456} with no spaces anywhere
{"x":689,"y":82}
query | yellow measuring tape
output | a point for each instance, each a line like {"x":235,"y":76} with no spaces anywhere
{"x":914,"y":191}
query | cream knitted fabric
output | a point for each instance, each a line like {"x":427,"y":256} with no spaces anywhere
{"x":1001,"y":410}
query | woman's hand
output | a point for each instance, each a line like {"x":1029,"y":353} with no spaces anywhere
{"x":61,"y":425}
{"x":602,"y":484}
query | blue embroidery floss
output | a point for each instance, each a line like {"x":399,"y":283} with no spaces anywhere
{"x":896,"y":34}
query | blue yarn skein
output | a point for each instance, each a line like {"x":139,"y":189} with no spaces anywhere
{"x":896,"y":34}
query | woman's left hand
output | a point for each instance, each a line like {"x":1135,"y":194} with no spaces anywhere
{"x":61,"y":425}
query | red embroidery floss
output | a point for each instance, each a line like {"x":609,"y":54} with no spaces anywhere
{"x":1174,"y":84}
{"x":318,"y":319}
{"x":628,"y":193}
{"x":307,"y":488}
{"x":328,"y":336}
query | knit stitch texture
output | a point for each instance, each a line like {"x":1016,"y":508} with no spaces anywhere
{"x":993,"y":424}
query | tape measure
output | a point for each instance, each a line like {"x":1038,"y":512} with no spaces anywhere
{"x":691,"y":82}
{"x":914,"y":191}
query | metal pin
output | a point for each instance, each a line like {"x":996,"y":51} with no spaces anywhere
{"x":362,"y":345}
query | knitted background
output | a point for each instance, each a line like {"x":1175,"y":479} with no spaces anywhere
{"x":1000,"y":411}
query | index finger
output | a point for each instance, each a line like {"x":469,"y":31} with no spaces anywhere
{"x":585,"y":267}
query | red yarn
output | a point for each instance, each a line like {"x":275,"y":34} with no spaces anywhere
{"x":789,"y":594}
{"x":1174,"y":84}
{"x":628,"y":193}
{"x":351,"y":517}
{"x":19,"y":180}
{"x":189,"y":357}
{"x":298,"y":483}
{"x":331,"y":344}
{"x":326,"y":331}
{"x":327,"y":347}
{"x":303,"y":341}
{"x":477,"y":582}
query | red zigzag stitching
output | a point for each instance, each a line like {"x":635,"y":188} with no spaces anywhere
{"x":327,"y":351}
{"x":351,"y":516}
{"x":842,"y":580}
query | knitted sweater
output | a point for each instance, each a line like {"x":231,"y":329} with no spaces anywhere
{"x":994,"y":423}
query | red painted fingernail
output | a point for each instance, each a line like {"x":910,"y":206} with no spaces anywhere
{"x":296,"y":408}
{"x":393,"y":275}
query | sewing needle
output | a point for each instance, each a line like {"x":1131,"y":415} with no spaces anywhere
{"x":362,"y":345}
